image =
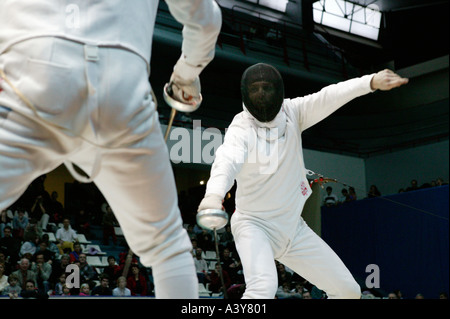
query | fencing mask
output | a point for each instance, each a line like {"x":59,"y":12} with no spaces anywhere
{"x":262,"y":91}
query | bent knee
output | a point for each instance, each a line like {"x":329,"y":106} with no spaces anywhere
{"x":260,"y":290}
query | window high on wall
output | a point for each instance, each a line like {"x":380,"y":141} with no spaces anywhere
{"x":279,"y":5}
{"x":343,"y":15}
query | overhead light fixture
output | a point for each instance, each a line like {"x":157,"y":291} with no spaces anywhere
{"x":346,"y":16}
{"x":279,"y":5}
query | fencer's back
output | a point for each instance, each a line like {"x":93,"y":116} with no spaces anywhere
{"x":128,"y":24}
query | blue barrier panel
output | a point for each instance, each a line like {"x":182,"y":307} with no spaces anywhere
{"x":406,"y":235}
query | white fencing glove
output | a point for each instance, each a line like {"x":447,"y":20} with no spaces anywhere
{"x":211,"y":201}
{"x":185,"y":83}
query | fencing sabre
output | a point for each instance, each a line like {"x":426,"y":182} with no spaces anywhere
{"x":214,"y":219}
{"x":178,"y":105}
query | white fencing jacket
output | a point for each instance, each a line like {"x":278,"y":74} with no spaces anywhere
{"x":266,"y":159}
{"x":117,"y":23}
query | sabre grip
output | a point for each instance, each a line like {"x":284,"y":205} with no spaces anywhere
{"x":211,"y":201}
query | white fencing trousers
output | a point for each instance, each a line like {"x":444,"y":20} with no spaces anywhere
{"x":305,"y":253}
{"x":108,"y":101}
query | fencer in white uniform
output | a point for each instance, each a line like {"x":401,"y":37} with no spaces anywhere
{"x":262,"y":152}
{"x":74,"y":89}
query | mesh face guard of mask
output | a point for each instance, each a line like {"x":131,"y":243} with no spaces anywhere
{"x":262,"y":91}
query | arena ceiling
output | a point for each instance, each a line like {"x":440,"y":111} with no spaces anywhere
{"x":413,"y":41}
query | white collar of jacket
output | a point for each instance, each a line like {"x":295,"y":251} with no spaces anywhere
{"x":275,"y":128}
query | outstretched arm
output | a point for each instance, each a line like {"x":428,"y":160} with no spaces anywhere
{"x":313,"y":108}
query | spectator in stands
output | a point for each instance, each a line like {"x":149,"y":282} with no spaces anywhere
{"x":197,"y":229}
{"x":3,"y":278}
{"x":299,"y":287}
{"x":352,"y":193}
{"x":103,"y":289}
{"x":201,"y":267}
{"x":443,"y":295}
{"x":414,"y":186}
{"x":87,"y":272}
{"x":32,"y":230}
{"x":373,"y":192}
{"x":66,"y":237}
{"x":109,"y":222}
{"x":39,"y":212}
{"x":20,"y":222}
{"x":10,"y":245}
{"x":330,"y":198}
{"x":51,"y":246}
{"x":229,"y":264}
{"x":205,"y":240}
{"x":285,"y":292}
{"x":392,"y":295}
{"x":121,"y":290}
{"x":59,"y":286}
{"x":56,"y":209}
{"x":66,"y":290}
{"x":75,"y":253}
{"x":226,"y":239}
{"x":113,"y":271}
{"x":419,"y":296}
{"x":283,"y":274}
{"x":398,"y":293}
{"x":59,"y":268}
{"x":194,"y":243}
{"x":13,"y":288}
{"x":345,"y":196}
{"x":215,"y":283}
{"x":306,"y":295}
{"x":190,"y":230}
{"x":6,"y":219}
{"x":42,"y":271}
{"x":238,"y":273}
{"x":317,"y":293}
{"x":84,"y":290}
{"x":24,"y":273}
{"x":83,"y":222}
{"x":32,"y":292}
{"x":136,"y":282}
{"x":5,"y":262}
{"x":49,"y":256}
{"x":440,"y":181}
{"x":123,"y":256}
{"x":30,"y":244}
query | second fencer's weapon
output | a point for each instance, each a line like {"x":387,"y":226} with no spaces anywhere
{"x":214,"y":219}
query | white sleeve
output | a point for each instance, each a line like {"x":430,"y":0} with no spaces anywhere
{"x":313,"y":108}
{"x":230,"y":157}
{"x":202,"y":21}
